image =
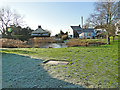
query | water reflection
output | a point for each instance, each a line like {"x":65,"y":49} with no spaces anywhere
{"x":51,"y":45}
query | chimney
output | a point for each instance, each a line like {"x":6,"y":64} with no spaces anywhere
{"x":39,"y":26}
{"x":82,"y":21}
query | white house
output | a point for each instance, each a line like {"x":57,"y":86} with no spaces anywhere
{"x":78,"y":32}
{"x":117,"y":27}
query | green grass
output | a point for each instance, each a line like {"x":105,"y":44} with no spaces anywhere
{"x":97,"y":66}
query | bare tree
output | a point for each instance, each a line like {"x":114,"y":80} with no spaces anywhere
{"x":17,"y":19}
{"x":106,"y":11}
{"x":7,"y":18}
{"x":104,"y":14}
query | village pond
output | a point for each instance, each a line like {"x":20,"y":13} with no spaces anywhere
{"x":46,"y":43}
{"x":50,"y":45}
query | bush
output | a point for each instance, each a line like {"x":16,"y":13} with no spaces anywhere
{"x":11,"y":43}
{"x":85,"y":42}
{"x":64,"y":37}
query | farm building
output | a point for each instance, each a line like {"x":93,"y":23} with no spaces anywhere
{"x":39,"y":32}
{"x":78,"y":32}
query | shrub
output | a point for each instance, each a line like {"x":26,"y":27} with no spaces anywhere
{"x":85,"y":42}
{"x":64,"y":37}
{"x":11,"y":43}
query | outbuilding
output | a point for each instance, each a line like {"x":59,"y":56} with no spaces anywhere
{"x":39,"y":32}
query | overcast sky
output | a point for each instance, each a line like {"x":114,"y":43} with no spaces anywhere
{"x":54,"y":16}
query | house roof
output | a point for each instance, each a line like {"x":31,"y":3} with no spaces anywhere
{"x":88,"y":30}
{"x":80,"y":30}
{"x":40,"y":30}
{"x":76,"y":27}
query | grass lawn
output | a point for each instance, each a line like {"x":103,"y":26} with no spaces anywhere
{"x":89,"y":67}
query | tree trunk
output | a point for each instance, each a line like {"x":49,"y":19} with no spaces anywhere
{"x":3,"y":34}
{"x":109,"y":40}
{"x":113,"y":38}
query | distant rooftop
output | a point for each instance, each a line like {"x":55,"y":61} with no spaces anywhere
{"x":39,"y":30}
{"x":79,"y":29}
{"x":76,"y":27}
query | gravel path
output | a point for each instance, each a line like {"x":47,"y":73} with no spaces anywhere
{"x":24,"y":72}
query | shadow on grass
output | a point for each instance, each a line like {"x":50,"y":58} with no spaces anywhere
{"x":24,"y":72}
{"x":20,"y":51}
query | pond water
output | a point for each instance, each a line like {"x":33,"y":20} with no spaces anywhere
{"x":51,"y":45}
